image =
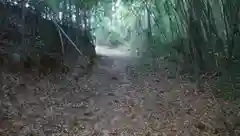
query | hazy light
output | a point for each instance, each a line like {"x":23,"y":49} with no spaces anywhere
{"x":74,"y":17}
{"x":108,"y":51}
{"x":92,"y":19}
{"x":27,"y":5}
{"x":118,"y":3}
{"x":60,"y":15}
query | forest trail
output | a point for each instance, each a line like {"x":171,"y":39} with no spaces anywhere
{"x":115,"y":100}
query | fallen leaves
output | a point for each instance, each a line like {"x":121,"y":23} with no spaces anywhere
{"x":147,"y":105}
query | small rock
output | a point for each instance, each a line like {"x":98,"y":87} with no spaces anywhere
{"x":79,"y":105}
{"x":105,"y":132}
{"x":116,"y":101}
{"x":18,"y":124}
{"x":110,"y":94}
{"x":110,"y":103}
{"x":114,"y":78}
{"x":200,"y":126}
{"x":157,"y":80}
{"x":88,"y":113}
{"x":148,"y":134}
{"x":1,"y":131}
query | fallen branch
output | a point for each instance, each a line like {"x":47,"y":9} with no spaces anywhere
{"x":61,"y":39}
{"x":73,"y":44}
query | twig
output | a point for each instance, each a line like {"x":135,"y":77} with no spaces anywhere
{"x":209,"y":76}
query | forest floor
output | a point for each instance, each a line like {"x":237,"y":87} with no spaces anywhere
{"x":114,"y":100}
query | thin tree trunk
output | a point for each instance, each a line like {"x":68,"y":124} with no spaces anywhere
{"x":61,"y":39}
{"x":23,"y":44}
{"x":85,"y":22}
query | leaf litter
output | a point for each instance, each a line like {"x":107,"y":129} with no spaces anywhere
{"x":112,"y":102}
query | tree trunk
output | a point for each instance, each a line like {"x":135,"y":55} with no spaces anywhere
{"x":23,"y":44}
{"x":85,"y":22}
{"x":78,"y":20}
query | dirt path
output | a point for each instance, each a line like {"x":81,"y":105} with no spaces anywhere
{"x":113,"y":101}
